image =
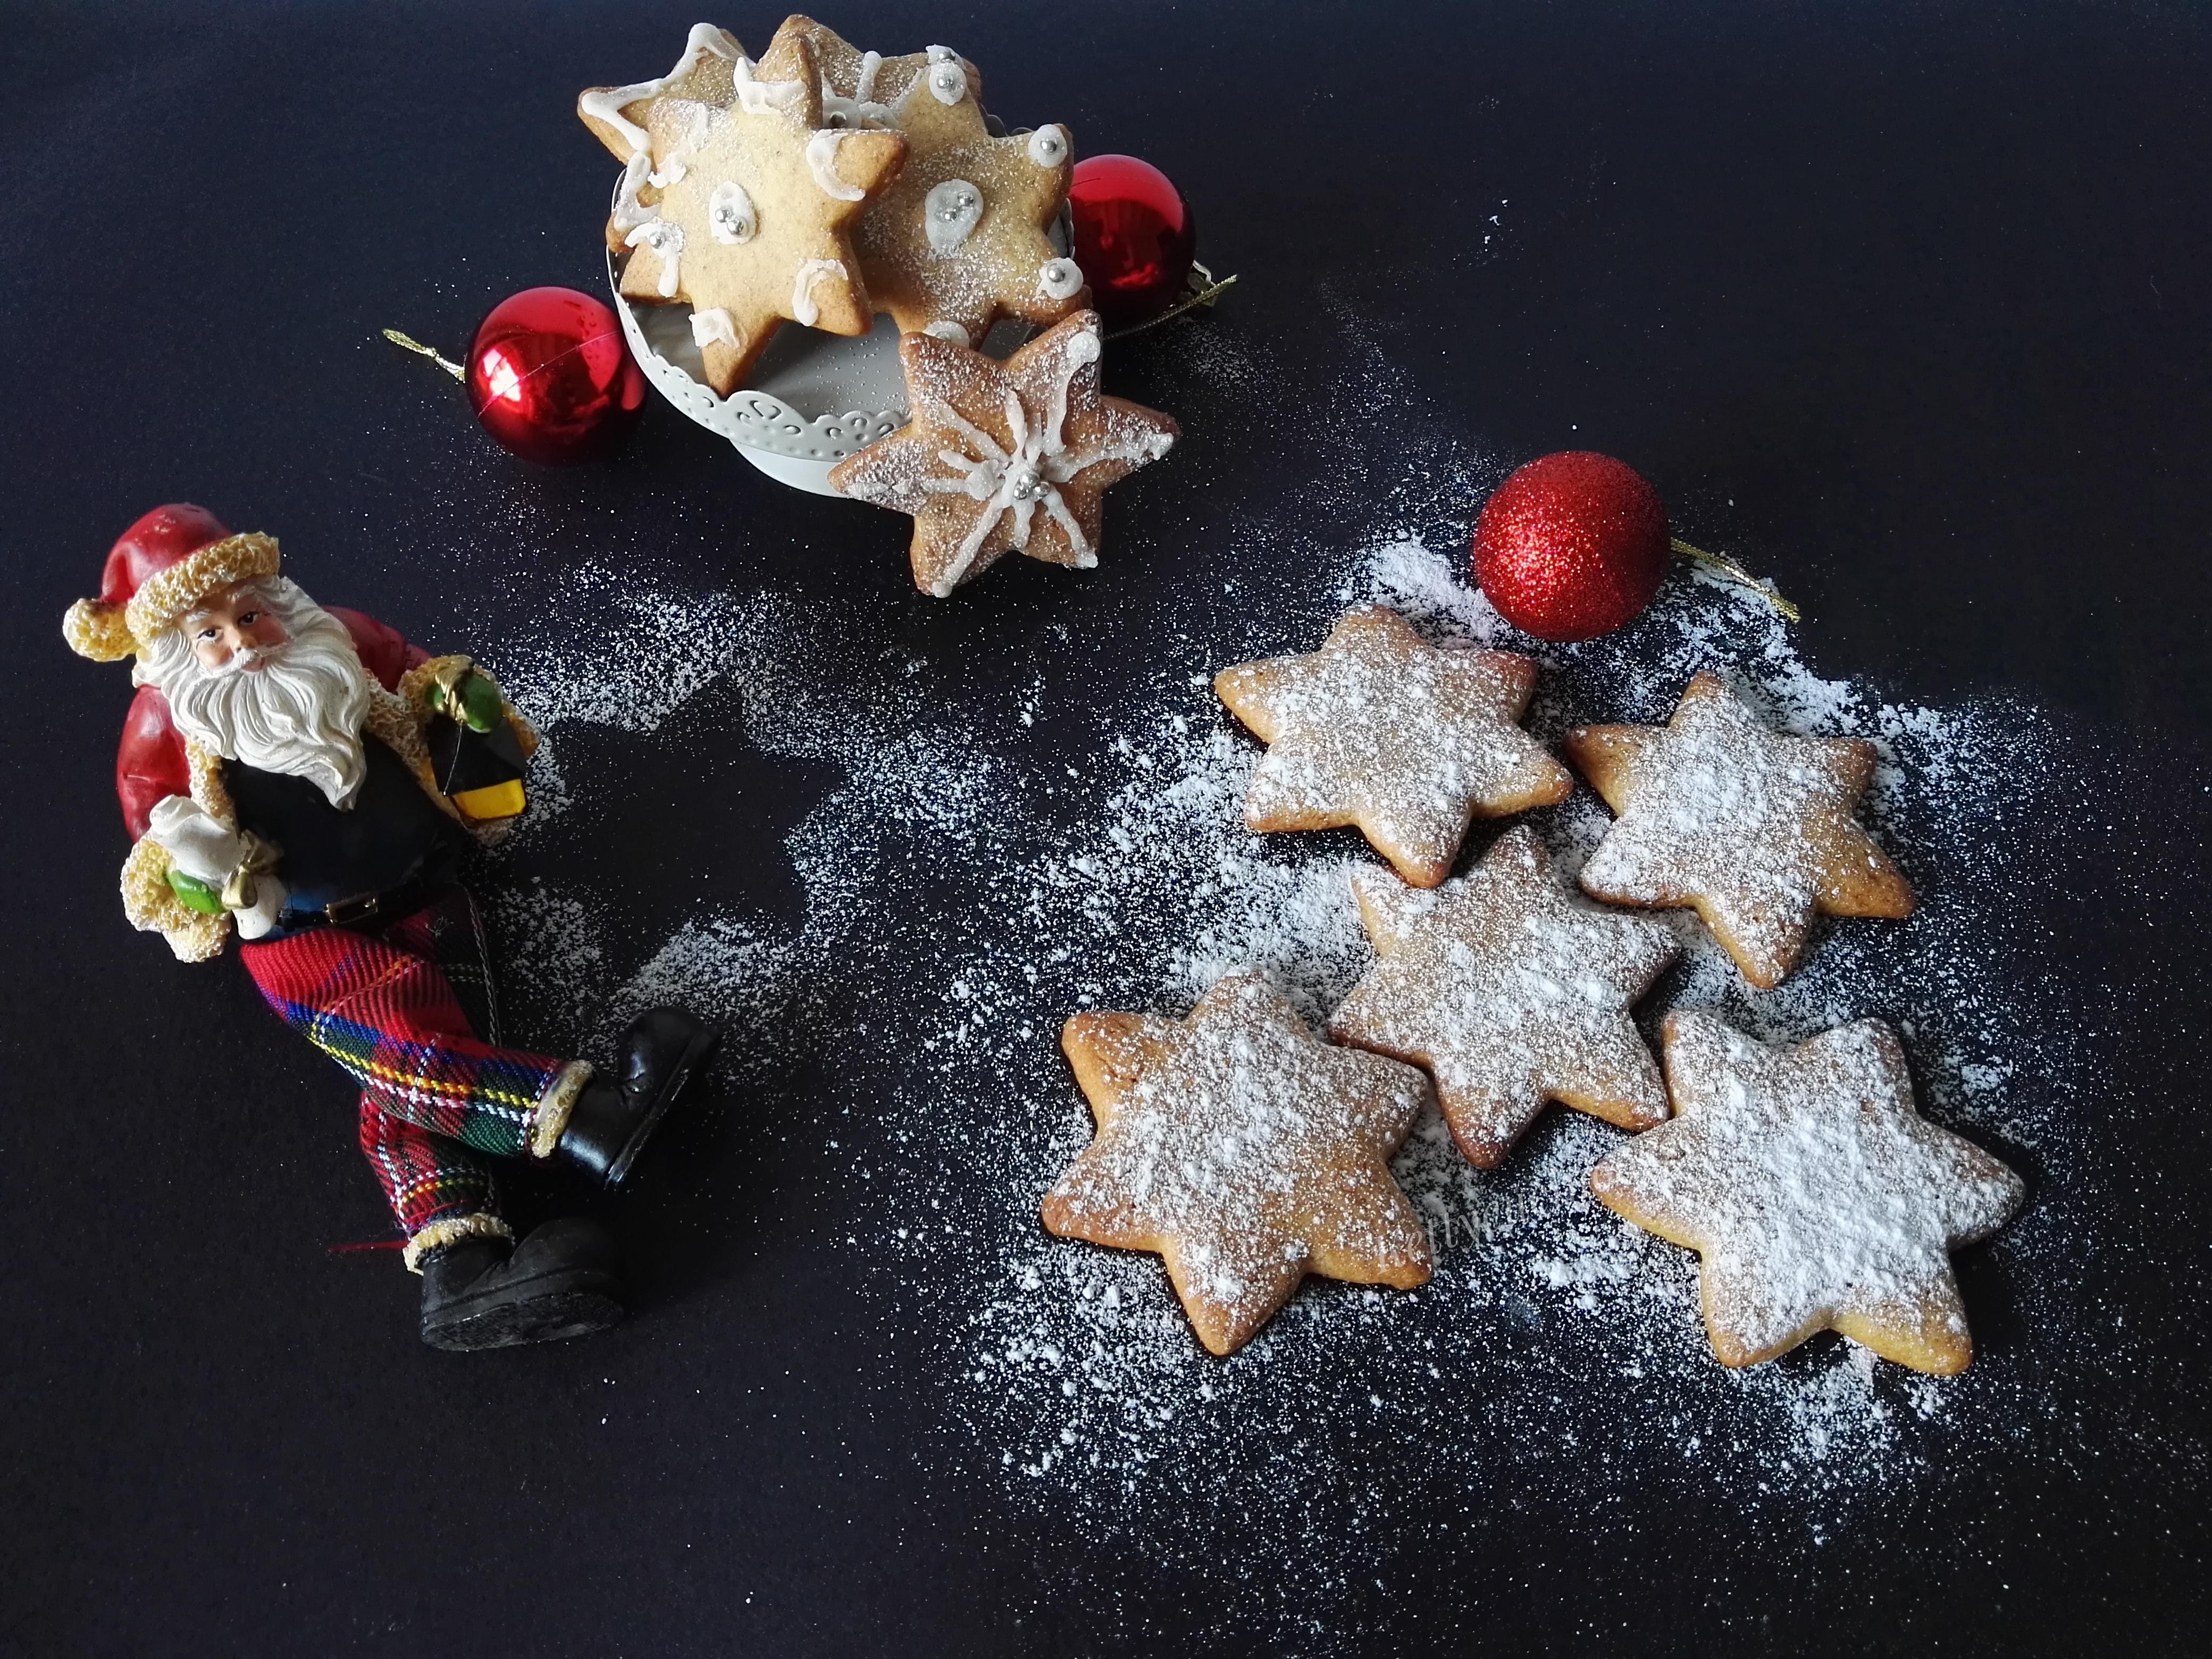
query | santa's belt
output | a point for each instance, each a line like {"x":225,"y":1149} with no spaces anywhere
{"x":363,"y":908}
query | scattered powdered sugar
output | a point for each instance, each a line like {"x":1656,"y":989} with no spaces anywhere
{"x":977,"y":874}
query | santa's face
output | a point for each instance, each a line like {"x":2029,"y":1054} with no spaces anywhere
{"x":234,"y":624}
{"x":260,"y":673}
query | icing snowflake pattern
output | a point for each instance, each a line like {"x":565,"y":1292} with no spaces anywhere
{"x":1005,"y":457}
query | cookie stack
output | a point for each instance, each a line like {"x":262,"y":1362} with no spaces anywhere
{"x":822,"y":185}
{"x":1248,"y":1152}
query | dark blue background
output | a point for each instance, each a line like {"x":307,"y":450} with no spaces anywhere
{"x":1905,"y":302}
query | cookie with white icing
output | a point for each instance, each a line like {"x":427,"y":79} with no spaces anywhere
{"x":960,"y":237}
{"x":1751,"y":826}
{"x":1817,"y":1196}
{"x":999,"y":457}
{"x":703,"y":74}
{"x":1242,"y":1151}
{"x":751,"y":210}
{"x":1409,"y":741}
{"x":1509,"y":991}
{"x":864,"y":89}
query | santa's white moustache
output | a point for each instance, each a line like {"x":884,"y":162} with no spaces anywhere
{"x":300,"y":712}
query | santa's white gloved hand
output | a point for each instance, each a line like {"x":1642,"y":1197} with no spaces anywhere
{"x":207,"y":851}
{"x":195,"y":842}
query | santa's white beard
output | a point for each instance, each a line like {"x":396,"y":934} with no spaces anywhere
{"x":301,"y":712}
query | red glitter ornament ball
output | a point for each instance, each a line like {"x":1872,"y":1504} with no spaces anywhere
{"x":1133,"y":237}
{"x":1571,"y":546}
{"x":551,"y":378}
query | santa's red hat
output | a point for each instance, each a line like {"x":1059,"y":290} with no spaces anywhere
{"x":163,"y":567}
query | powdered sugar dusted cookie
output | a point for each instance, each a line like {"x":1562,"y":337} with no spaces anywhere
{"x":1510,"y":991}
{"x":1751,"y":826}
{"x":1817,"y":1196}
{"x":1381,"y":729}
{"x":997,"y":456}
{"x":744,"y":209}
{"x":1244,"y":1151}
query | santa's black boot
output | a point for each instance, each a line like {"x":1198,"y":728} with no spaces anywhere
{"x":487,"y":1293}
{"x":662,"y":1050}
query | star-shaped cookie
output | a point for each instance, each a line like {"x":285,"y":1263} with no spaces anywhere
{"x":1751,"y":826}
{"x":959,"y":239}
{"x":1381,"y":729}
{"x":750,"y":209}
{"x":703,"y":74}
{"x":997,"y":456}
{"x":866,"y":88}
{"x":1511,"y":992}
{"x":1819,"y":1198}
{"x":1244,"y":1151}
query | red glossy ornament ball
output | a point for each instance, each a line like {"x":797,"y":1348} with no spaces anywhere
{"x":1571,"y":546}
{"x":551,"y":378}
{"x":1133,"y":237}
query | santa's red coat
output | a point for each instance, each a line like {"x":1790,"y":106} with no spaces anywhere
{"x":150,"y":765}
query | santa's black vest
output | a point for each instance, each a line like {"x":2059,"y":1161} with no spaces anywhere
{"x":393,"y":832}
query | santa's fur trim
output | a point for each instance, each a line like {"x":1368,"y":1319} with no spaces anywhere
{"x":439,"y":1234}
{"x":99,"y":631}
{"x":204,"y":768}
{"x":554,"y":1109}
{"x":170,"y":595}
{"x":153,"y":906}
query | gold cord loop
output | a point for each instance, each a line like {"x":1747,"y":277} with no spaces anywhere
{"x":1736,"y":574}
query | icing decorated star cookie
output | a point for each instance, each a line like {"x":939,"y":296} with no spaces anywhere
{"x":1819,"y":1198}
{"x":958,"y":239}
{"x":1244,"y":1151}
{"x":1510,"y":992}
{"x":743,"y":210}
{"x":703,"y":74}
{"x":997,"y":456}
{"x":866,"y":88}
{"x":1381,"y":729}
{"x":1751,"y":826}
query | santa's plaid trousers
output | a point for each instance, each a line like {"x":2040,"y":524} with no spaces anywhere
{"x":388,"y":1007}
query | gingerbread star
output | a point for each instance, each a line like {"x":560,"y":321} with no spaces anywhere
{"x":703,"y":74}
{"x":997,"y":456}
{"x":1244,"y":1151}
{"x":1751,"y":826}
{"x":751,"y":221}
{"x":1819,"y":1198}
{"x":1509,"y":992}
{"x":1381,"y":729}
{"x":959,"y":239}
{"x":866,"y":88}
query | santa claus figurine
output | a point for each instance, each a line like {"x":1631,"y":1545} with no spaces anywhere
{"x":308,"y":779}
